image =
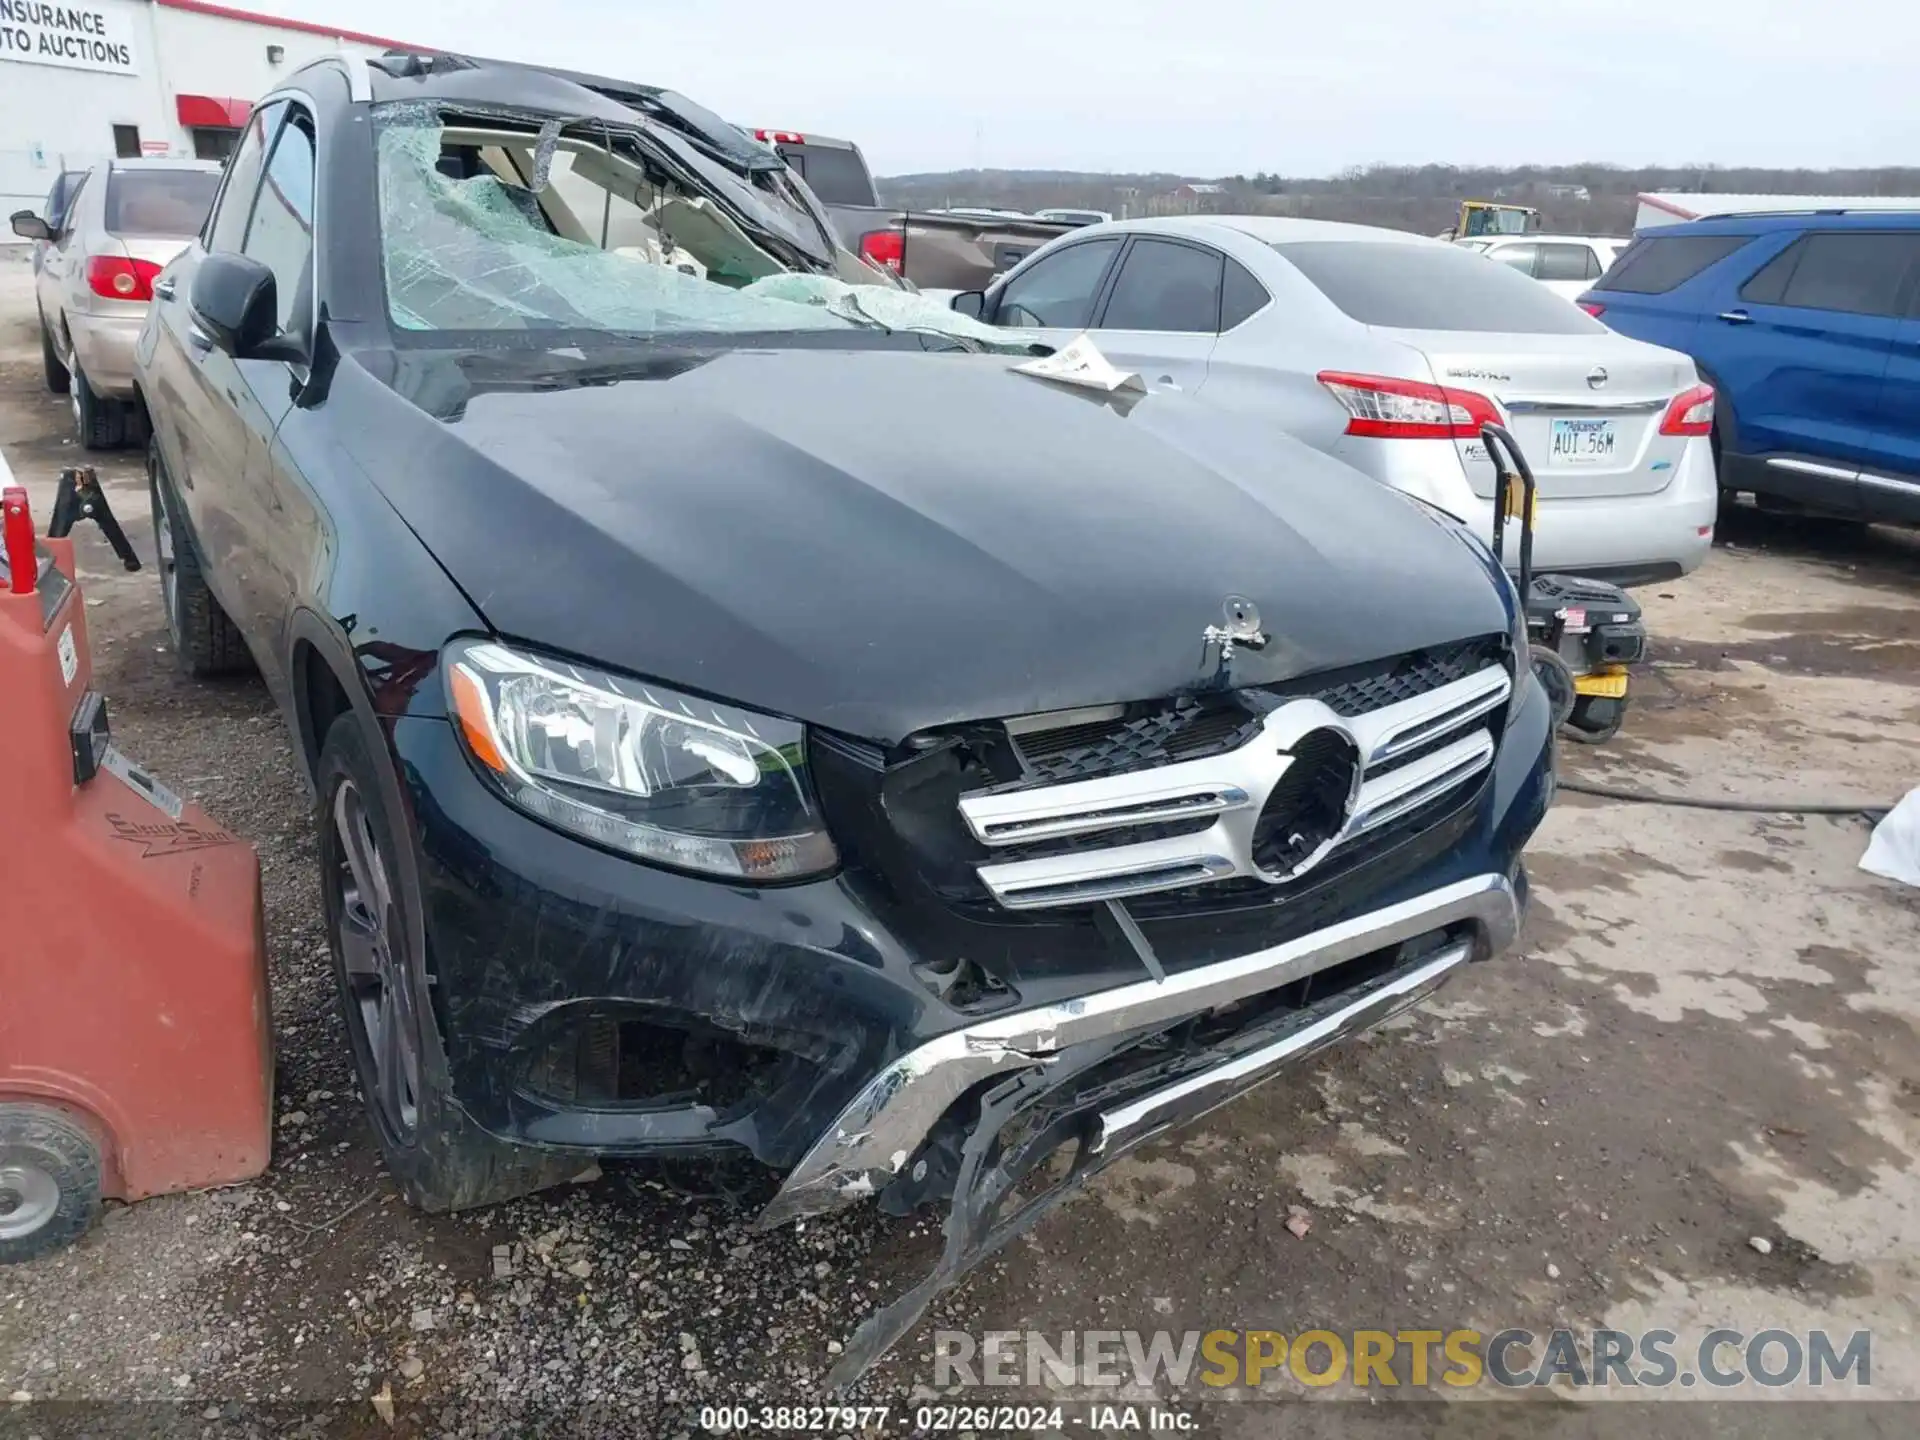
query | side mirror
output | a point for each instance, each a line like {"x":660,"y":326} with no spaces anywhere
{"x":236,"y":301}
{"x":970,"y":303}
{"x":29,"y":226}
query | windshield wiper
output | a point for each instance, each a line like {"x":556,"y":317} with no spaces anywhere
{"x":848,"y":307}
{"x":964,"y":342}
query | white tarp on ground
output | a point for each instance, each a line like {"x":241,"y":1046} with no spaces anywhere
{"x":1894,"y":850}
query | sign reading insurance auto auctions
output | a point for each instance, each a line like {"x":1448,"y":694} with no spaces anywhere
{"x":78,"y":37}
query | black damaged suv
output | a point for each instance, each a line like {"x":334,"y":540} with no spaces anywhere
{"x":748,"y":714}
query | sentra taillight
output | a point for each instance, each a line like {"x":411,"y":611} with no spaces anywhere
{"x":1691,"y":413}
{"x":886,"y":248}
{"x":1386,"y":408}
{"x":118,"y":278}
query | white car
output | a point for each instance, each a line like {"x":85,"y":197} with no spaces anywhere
{"x":1076,"y":217}
{"x":1389,"y":351}
{"x":1568,"y":265}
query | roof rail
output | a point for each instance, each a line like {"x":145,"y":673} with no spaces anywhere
{"x":1913,"y":209}
{"x":354,"y":67}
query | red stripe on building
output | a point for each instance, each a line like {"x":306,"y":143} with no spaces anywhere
{"x":229,"y":12}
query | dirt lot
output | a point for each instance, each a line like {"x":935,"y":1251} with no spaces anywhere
{"x":1692,"y":1098}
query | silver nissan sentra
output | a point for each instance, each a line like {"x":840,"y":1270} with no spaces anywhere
{"x":1389,"y":351}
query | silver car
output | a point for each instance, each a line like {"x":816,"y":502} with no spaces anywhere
{"x":1388,"y":351}
{"x":95,"y":280}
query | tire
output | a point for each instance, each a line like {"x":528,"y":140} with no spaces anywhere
{"x":205,"y":641}
{"x":1556,"y":679}
{"x":101,"y":423}
{"x":49,"y":1182}
{"x":58,"y":378}
{"x":1595,"y":719}
{"x":439,"y":1158}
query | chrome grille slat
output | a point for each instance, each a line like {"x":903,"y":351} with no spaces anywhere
{"x":1231,"y":787}
{"x":1402,"y":791}
{"x":1120,"y":872}
{"x":1431,"y":716}
{"x":1014,"y":824}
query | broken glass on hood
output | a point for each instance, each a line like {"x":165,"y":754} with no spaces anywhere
{"x":506,"y":222}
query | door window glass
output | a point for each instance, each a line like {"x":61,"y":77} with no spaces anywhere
{"x":281,"y":235}
{"x":1240,"y":296}
{"x":1769,"y":284}
{"x":1660,"y":263}
{"x":1565,"y":262}
{"x":1857,"y":273}
{"x":1057,"y":292}
{"x":1519,"y":257}
{"x":836,"y":175}
{"x":229,"y":225}
{"x":1163,"y":286}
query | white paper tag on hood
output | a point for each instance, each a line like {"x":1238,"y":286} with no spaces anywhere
{"x":1081,"y":363}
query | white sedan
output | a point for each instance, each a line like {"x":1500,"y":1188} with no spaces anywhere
{"x":1389,"y":351}
{"x":1568,"y":265}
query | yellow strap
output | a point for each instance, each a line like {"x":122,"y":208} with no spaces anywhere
{"x":1512,"y":488}
{"x":1610,"y":687}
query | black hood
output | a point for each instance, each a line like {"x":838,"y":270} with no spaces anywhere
{"x":879,"y":541}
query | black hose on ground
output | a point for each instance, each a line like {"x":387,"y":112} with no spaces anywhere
{"x":1872,"y":814}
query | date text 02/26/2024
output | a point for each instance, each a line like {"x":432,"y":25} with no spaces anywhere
{"x":939,"y":1419}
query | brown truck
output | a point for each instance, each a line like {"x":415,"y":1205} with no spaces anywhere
{"x":935,"y":249}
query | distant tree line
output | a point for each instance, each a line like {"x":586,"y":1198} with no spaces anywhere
{"x":1421,"y":198}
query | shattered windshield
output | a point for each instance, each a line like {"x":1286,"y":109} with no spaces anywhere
{"x":517,"y":224}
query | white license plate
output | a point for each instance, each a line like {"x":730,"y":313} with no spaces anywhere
{"x":1582,"y":442}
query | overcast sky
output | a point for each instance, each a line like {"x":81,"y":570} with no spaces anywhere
{"x":1209,"y":87}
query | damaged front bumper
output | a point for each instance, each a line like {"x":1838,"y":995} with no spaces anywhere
{"x":1084,"y":1086}
{"x":885,"y":1125}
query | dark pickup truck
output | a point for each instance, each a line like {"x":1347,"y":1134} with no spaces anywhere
{"x":936,"y":250}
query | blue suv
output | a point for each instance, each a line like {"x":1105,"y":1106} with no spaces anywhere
{"x":1808,"y":327}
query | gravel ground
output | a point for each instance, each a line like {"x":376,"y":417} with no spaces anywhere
{"x":1707,"y":1039}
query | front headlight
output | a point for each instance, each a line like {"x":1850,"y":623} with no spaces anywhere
{"x":639,"y":768}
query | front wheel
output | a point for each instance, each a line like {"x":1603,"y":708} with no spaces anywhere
{"x":57,"y":377}
{"x":438,"y":1156}
{"x":205,"y":640}
{"x":49,"y":1182}
{"x":100,"y":421}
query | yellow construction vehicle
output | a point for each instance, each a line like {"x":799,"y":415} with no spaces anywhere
{"x":1487,"y":218}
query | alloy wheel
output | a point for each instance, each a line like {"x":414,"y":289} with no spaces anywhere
{"x":29,"y":1198}
{"x":379,"y":989}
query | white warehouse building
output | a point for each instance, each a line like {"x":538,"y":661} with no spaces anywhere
{"x":88,"y":80}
